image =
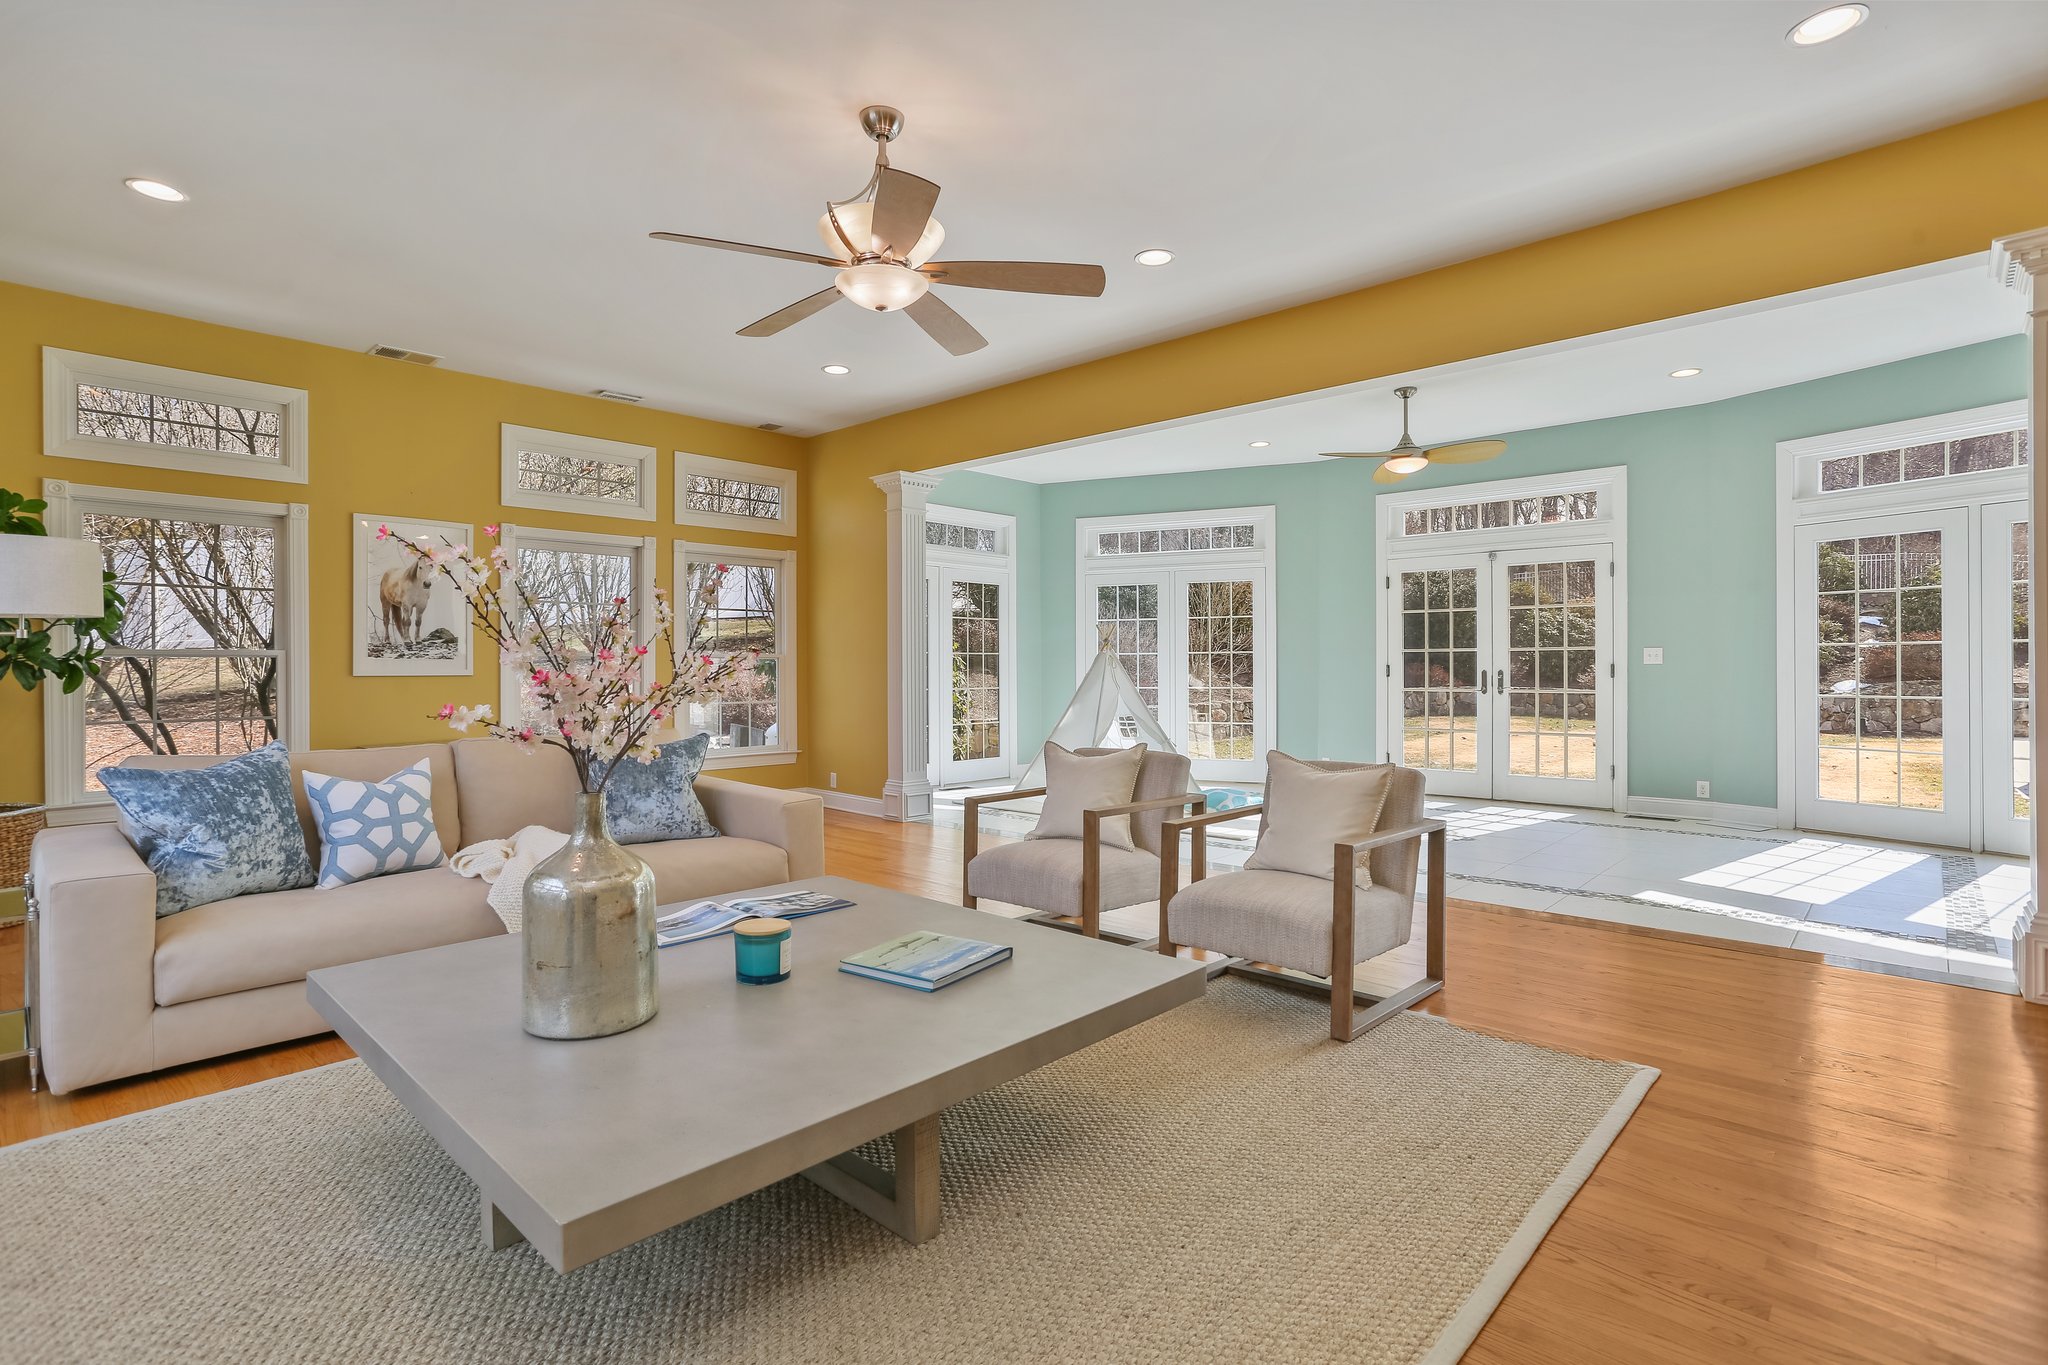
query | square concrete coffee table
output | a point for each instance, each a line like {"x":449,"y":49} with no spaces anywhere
{"x":584,"y":1147}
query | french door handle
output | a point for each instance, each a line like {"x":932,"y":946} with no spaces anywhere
{"x":1482,"y":682}
{"x":1500,"y":681}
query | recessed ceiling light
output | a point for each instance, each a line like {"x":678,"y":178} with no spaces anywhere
{"x":836,"y":369}
{"x":1154,"y":256}
{"x":1260,"y":445}
{"x":1686,"y":373}
{"x":1830,"y":23}
{"x":155,"y":189}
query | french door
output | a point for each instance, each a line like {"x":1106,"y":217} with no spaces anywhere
{"x":970,"y":614}
{"x":1198,"y":644}
{"x":1503,"y":685}
{"x":1882,"y":648}
{"x":2007,"y":704}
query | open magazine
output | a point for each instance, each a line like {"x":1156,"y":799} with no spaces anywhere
{"x":708,"y":919}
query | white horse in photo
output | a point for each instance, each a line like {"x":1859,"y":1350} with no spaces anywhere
{"x":402,"y":600}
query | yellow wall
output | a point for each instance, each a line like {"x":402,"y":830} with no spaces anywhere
{"x":386,"y":438}
{"x":1934,"y":197}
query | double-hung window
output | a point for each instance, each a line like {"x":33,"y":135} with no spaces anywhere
{"x":211,"y":656}
{"x":733,"y":601}
{"x":573,"y":579}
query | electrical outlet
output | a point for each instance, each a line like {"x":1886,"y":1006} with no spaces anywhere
{"x":832,"y":781}
{"x":1701,"y":789}
{"x":1653,"y":654}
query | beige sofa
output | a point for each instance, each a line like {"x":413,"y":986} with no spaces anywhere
{"x":118,"y":991}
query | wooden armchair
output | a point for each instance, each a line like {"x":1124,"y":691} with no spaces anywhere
{"x":1068,"y":883}
{"x":1271,"y":920}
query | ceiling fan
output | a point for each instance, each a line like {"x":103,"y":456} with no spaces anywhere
{"x":1409,"y":458}
{"x":881,"y":242}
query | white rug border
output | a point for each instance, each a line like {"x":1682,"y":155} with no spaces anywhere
{"x":1472,"y":1315}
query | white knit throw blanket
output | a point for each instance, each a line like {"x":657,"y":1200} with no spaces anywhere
{"x":505,"y":863}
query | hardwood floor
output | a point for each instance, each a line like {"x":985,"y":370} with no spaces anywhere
{"x":1836,"y":1166}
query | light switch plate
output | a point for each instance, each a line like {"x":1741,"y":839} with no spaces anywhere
{"x":1653,"y":654}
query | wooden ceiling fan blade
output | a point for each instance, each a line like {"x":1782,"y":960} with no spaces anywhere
{"x":749,"y":248}
{"x":1386,"y":475}
{"x":1359,"y":454}
{"x":1465,"y":452}
{"x":903,"y":205}
{"x":1021,"y":277}
{"x":795,"y":313}
{"x":945,"y":326}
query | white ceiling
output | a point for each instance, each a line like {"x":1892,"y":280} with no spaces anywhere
{"x":476,"y":178}
{"x":1738,"y":350}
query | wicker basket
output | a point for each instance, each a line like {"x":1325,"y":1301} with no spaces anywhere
{"x":18,"y":826}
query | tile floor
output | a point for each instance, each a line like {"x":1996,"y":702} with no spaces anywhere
{"x":1936,"y":914}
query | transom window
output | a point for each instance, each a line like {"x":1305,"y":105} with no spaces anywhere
{"x":952,"y":535}
{"x":1242,"y":535}
{"x":562,"y":472}
{"x":1497,"y":513}
{"x":1930,"y":460}
{"x":733,"y":601}
{"x":734,"y":494}
{"x":103,"y":408}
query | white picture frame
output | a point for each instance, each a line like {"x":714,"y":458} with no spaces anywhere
{"x":400,"y":643}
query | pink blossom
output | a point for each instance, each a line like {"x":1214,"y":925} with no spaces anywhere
{"x":639,"y":650}
{"x":527,"y":734}
{"x":724,"y":568}
{"x":447,"y":712}
{"x":618,"y":601}
{"x":491,"y":530}
{"x":605,"y":655}
{"x":541,"y":676}
{"x":383,"y":533}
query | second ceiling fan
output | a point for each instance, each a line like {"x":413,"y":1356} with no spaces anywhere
{"x":1409,"y":458}
{"x":881,"y":242}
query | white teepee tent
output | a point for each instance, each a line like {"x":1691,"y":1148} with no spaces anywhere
{"x":1090,"y":719}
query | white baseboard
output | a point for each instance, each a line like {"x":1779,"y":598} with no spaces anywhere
{"x":848,"y":802}
{"x":1715,"y":812}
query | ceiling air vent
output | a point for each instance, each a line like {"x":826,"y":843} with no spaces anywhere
{"x":400,"y":353}
{"x":771,"y":426}
{"x":616,"y":395}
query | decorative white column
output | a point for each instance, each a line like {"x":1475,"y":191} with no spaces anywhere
{"x":907,"y":795}
{"x":2022,"y":263}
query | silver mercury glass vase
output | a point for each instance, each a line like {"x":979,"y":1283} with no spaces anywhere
{"x":589,"y":932}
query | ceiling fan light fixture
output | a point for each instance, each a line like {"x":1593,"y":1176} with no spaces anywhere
{"x":880,"y":286}
{"x":1827,"y":25}
{"x":1407,"y":464}
{"x":858,"y":220}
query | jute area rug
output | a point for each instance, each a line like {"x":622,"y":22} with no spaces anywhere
{"x":1217,"y":1185}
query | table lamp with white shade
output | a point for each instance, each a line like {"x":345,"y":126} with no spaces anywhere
{"x":50,"y":578}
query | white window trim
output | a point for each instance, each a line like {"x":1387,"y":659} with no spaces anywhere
{"x":1001,"y":565}
{"x":712,"y":467}
{"x":64,"y":717}
{"x":513,"y":439}
{"x":1610,"y":527}
{"x":645,"y":550}
{"x":1800,"y":502}
{"x":64,"y":371}
{"x":1259,"y":555}
{"x":1004,"y":525}
{"x":786,"y":750}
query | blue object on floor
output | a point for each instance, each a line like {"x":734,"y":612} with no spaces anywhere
{"x":1230,"y":798}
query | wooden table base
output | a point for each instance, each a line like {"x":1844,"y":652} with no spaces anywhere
{"x":905,"y":1202}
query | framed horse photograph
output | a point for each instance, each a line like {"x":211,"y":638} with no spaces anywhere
{"x":409,"y":620}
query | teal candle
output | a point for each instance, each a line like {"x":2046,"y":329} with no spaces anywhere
{"x":761,"y":950}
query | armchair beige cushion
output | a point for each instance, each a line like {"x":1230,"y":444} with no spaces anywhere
{"x":1284,"y":918}
{"x":1078,"y":782}
{"x":1045,"y":875}
{"x":1310,"y":810}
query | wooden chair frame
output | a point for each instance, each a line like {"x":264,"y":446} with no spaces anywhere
{"x":1345,"y":1023}
{"x":1091,"y":854}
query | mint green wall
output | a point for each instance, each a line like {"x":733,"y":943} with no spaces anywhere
{"x":1702,"y":560}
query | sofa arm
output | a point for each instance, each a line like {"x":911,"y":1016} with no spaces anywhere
{"x":792,"y":821}
{"x":95,"y":983}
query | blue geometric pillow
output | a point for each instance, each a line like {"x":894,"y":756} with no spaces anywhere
{"x":644,"y":802}
{"x":216,"y":832}
{"x":370,"y":828}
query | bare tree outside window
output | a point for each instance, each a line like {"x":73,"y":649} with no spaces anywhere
{"x":571,"y":476}
{"x":739,"y":616}
{"x":160,"y":420}
{"x":572,"y":591}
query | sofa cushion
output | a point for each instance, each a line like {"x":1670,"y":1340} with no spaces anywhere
{"x":1284,"y":918}
{"x":372,"y":829}
{"x":224,"y":830}
{"x":1045,"y":874}
{"x":691,"y":869}
{"x":265,"y":940}
{"x":506,"y":787}
{"x":647,"y":802}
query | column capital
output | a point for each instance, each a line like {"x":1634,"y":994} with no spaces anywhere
{"x":2017,"y":258}
{"x":907,"y":487}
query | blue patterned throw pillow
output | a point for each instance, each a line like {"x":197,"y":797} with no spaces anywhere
{"x":216,"y":832}
{"x":370,"y":828}
{"x":645,"y":802}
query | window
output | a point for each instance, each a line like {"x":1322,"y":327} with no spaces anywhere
{"x":1183,"y":539}
{"x":211,"y":655}
{"x":101,"y":408}
{"x":733,"y":600}
{"x":734,"y":494}
{"x":1502,"y":513}
{"x":572,"y":579}
{"x":1929,"y":460}
{"x":560,"y":472}
{"x":951,"y":535}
